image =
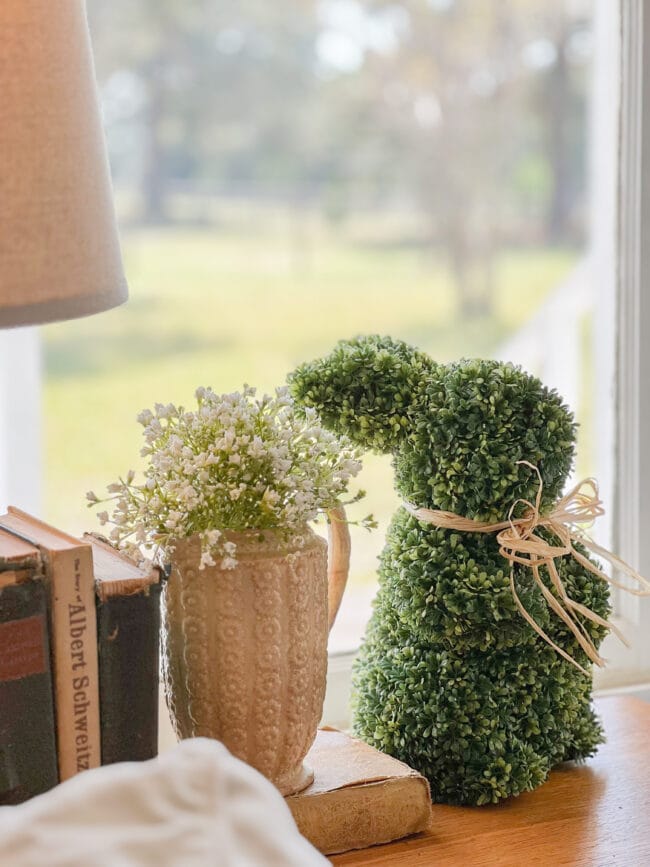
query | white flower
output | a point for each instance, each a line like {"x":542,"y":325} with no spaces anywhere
{"x":153,"y":430}
{"x":145,"y":417}
{"x":162,"y":462}
{"x":256,"y":447}
{"x":163,"y":411}
{"x":270,"y":497}
{"x":235,"y":462}
{"x":173,"y":519}
{"x":211,"y":537}
{"x":175,"y":445}
{"x":206,"y":560}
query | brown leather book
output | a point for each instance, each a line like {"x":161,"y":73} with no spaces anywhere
{"x":28,"y":763}
{"x":128,"y":634}
{"x":73,"y":636}
{"x":360,"y":797}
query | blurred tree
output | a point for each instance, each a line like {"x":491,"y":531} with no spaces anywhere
{"x":226,"y":89}
{"x":559,"y":98}
{"x":461,"y":98}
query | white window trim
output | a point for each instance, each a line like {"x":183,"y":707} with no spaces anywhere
{"x":20,"y":419}
{"x":631,"y":528}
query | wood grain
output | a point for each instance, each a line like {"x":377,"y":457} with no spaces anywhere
{"x":593,"y":814}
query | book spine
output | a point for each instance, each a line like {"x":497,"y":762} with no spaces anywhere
{"x":74,"y":645}
{"x":28,"y":759}
{"x":129,"y":661}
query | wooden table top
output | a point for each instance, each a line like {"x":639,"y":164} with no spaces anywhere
{"x":594,"y":814}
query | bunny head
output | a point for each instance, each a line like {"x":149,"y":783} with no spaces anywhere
{"x":456,"y":431}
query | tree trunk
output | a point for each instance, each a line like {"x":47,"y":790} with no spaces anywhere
{"x":154,"y":192}
{"x":472,"y":269}
{"x":559,"y":208}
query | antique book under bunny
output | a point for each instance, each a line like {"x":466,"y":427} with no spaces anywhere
{"x":453,"y":677}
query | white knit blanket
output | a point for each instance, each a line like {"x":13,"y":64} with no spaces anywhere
{"x":192,"y":807}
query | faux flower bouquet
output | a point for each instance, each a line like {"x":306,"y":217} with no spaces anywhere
{"x":236,"y":462}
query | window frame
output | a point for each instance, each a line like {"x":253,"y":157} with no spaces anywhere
{"x":631,"y":422}
{"x":21,"y":460}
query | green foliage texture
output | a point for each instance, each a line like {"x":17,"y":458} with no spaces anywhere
{"x":450,"y":677}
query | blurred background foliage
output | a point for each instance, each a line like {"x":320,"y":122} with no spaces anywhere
{"x":469,"y":117}
{"x":292,"y":172}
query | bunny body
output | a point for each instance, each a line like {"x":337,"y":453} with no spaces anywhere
{"x":450,"y":678}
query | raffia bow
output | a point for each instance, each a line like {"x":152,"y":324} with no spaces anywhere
{"x":520,"y":543}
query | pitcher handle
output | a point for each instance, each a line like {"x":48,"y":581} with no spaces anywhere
{"x":338,"y":561}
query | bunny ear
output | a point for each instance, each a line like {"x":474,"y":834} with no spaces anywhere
{"x":367,"y":389}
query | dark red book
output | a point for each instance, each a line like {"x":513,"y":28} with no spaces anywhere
{"x":28,"y":754}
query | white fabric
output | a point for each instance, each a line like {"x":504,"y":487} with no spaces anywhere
{"x":192,"y":807}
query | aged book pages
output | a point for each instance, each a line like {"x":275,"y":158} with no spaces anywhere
{"x":360,"y":797}
{"x":115,"y":573}
{"x":69,"y":575}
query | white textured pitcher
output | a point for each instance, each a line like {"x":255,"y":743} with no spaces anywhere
{"x":245,"y":650}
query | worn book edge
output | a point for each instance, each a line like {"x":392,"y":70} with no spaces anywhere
{"x":16,"y":553}
{"x":359,"y":798}
{"x":115,"y":573}
{"x":15,"y":576}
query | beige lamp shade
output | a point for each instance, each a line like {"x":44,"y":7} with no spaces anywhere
{"x":59,"y":249}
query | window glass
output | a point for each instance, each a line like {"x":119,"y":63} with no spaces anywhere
{"x":291,"y":173}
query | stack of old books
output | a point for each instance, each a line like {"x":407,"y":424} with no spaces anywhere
{"x":79,"y":656}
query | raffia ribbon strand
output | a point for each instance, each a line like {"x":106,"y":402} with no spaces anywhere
{"x":520,"y":544}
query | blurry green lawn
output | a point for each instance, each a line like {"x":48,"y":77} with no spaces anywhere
{"x":208,"y":308}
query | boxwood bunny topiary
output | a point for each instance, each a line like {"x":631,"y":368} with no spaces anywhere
{"x":451,"y":678}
